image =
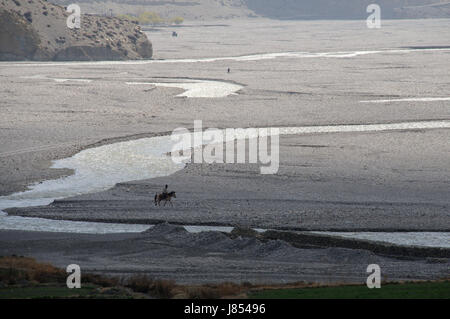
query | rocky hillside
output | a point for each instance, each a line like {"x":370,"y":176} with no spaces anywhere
{"x":167,"y":9}
{"x":37,"y":30}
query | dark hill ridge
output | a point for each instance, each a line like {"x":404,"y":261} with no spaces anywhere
{"x":349,"y":9}
{"x":37,"y":30}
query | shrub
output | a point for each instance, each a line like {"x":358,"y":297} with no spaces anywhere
{"x":202,"y":293}
{"x":128,"y":17}
{"x":28,"y":16}
{"x":177,"y":20}
{"x":149,"y":17}
{"x":163,"y":289}
{"x":15,"y":269}
{"x":138,"y":283}
{"x":156,"y":288}
{"x":99,"y":280}
{"x":214,"y":291}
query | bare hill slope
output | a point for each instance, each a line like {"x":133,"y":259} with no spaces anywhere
{"x":37,"y":30}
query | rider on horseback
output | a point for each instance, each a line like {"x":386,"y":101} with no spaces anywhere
{"x":164,"y":192}
{"x":164,"y":196}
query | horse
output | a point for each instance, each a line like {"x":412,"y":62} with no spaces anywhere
{"x":166,"y":197}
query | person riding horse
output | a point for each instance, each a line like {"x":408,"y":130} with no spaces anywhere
{"x":164,"y":192}
{"x":164,"y":196}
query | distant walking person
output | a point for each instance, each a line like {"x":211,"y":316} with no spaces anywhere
{"x":229,"y":70}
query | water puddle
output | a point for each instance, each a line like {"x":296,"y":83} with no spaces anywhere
{"x":415,"y":99}
{"x":243,"y":58}
{"x":198,"y":88}
{"x":193,"y":88}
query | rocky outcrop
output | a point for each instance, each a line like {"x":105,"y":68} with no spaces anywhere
{"x":37,"y":30}
{"x":18,"y":41}
{"x":87,"y":53}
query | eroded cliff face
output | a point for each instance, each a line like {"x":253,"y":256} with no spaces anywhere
{"x":18,"y":41}
{"x":37,"y":30}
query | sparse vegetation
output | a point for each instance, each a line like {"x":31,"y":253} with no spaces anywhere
{"x":177,"y":20}
{"x":145,"y":284}
{"x":28,"y":16}
{"x":127,"y":17}
{"x":15,"y":270}
{"x":416,"y":290}
{"x":24,"y":277}
{"x":169,"y":289}
{"x":150,"y":18}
